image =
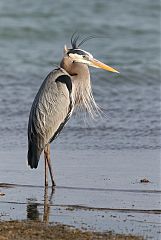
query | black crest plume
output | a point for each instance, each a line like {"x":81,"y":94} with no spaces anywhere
{"x":74,"y":40}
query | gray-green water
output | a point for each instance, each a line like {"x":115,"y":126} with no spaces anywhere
{"x":32,"y":35}
{"x":100,"y":163}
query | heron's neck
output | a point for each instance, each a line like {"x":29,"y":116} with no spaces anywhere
{"x":81,"y":84}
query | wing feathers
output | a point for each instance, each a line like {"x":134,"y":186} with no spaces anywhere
{"x":50,"y":111}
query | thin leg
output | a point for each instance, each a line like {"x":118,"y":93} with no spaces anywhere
{"x":47,"y":153}
{"x":46,"y":169}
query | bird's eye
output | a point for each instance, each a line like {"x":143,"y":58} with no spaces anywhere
{"x":84,"y":56}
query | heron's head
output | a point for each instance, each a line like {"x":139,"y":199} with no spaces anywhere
{"x":78,"y":55}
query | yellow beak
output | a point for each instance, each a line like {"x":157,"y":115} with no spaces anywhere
{"x":98,"y":64}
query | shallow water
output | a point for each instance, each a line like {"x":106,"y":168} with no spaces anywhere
{"x":111,"y":153}
{"x":95,"y":190}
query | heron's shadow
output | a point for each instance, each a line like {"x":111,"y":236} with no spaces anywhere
{"x":32,"y":209}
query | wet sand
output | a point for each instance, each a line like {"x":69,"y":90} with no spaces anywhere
{"x":31,"y":230}
{"x":103,"y":195}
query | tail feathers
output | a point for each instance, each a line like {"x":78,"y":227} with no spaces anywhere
{"x":33,"y":155}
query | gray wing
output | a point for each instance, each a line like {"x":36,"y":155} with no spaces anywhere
{"x":50,"y":111}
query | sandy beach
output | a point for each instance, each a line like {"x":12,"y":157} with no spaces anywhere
{"x":37,"y":230}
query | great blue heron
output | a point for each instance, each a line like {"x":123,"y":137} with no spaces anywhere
{"x":63,"y":89}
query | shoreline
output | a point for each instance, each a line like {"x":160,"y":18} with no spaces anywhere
{"x":31,"y":230}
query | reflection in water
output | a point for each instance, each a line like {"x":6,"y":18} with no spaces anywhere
{"x":33,"y":211}
{"x":47,"y":202}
